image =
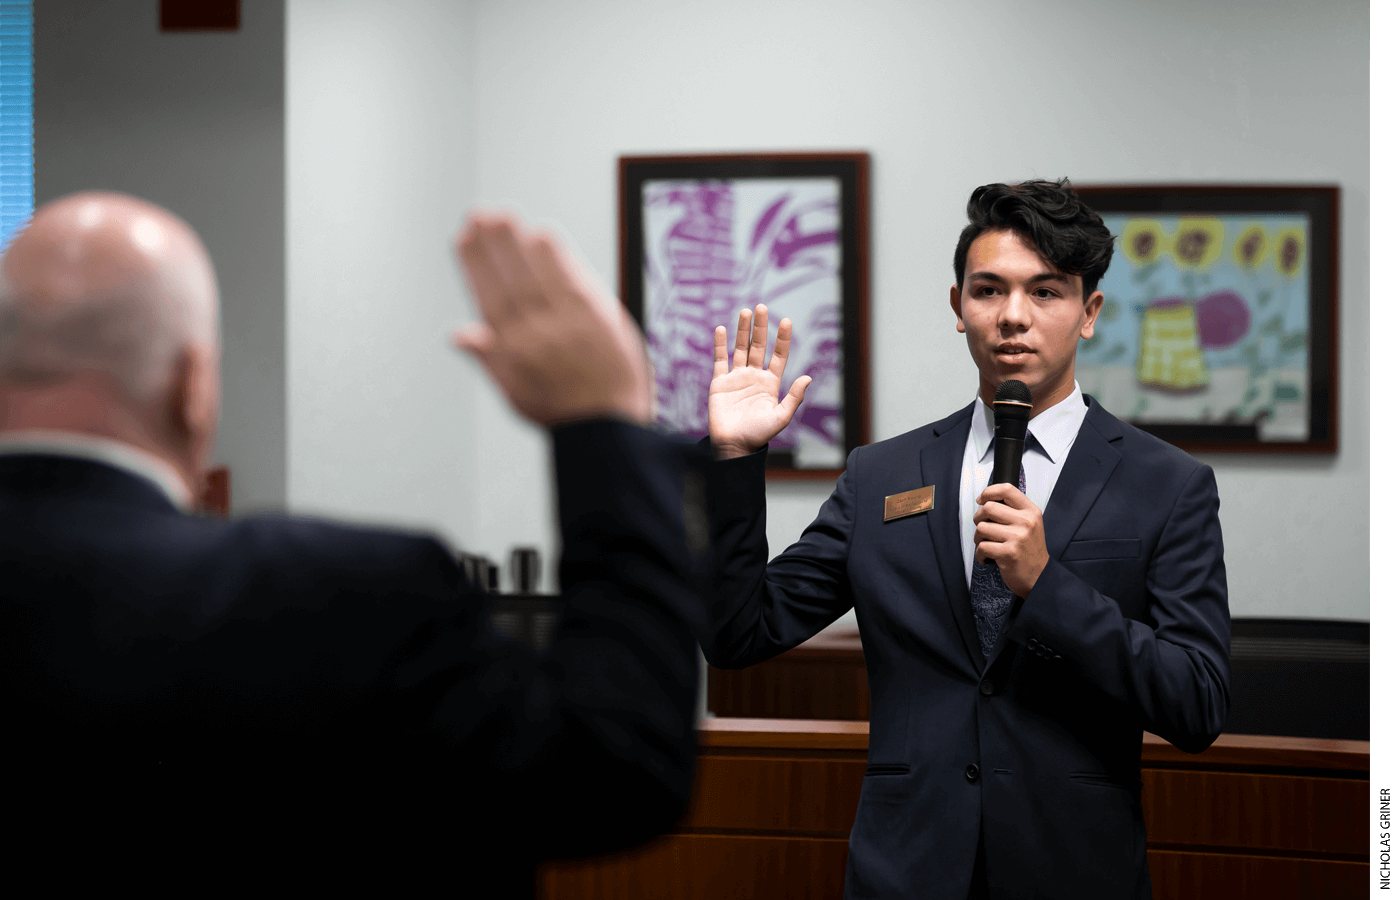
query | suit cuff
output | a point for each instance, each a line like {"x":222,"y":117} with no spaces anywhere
{"x":1053,"y":613}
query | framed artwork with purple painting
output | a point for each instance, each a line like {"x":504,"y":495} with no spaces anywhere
{"x":1219,"y":323}
{"x":702,"y":237}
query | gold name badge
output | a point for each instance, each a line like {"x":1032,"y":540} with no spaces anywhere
{"x":897,"y":506}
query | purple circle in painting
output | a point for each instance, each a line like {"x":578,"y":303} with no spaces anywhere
{"x":1222,"y":318}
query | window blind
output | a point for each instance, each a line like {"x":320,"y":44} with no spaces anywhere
{"x":16,"y":116}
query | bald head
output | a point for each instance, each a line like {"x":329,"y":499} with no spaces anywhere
{"x":109,"y":327}
{"x":104,"y":283}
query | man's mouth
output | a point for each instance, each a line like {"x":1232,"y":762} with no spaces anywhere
{"x":1012,"y":349}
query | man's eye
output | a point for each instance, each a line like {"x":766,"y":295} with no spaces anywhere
{"x":1045,"y":294}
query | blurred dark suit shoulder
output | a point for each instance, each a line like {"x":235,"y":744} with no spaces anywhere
{"x":349,"y":676}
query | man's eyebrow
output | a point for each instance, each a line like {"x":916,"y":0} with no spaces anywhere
{"x":1043,"y":276}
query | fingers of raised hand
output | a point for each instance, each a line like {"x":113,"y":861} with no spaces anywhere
{"x":553,"y":270}
{"x":795,"y":395}
{"x":519,"y":257}
{"x":477,"y":265}
{"x":493,"y":251}
{"x":781,"y":346}
{"x":474,"y":337}
{"x":741,"y":338}
{"x":479,"y":340}
{"x":721,"y":352}
{"x":758,"y":346}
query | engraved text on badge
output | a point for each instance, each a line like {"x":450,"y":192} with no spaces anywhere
{"x":897,"y":506}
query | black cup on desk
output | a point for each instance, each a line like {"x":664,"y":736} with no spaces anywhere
{"x":525,"y":570}
{"x":481,"y":572}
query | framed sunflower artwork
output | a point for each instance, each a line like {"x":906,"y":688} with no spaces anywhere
{"x":1219,"y":323}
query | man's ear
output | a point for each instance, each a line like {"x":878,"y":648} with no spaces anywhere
{"x":195,"y":399}
{"x":1092,"y":307}
{"x":955,"y":300}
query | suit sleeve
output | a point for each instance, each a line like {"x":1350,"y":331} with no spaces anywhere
{"x":590,"y":747}
{"x":1173,"y":668}
{"x":757,"y":608}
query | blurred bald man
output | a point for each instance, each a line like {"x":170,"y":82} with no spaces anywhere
{"x":286,"y":692}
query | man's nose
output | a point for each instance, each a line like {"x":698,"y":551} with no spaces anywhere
{"x":1015,"y":312}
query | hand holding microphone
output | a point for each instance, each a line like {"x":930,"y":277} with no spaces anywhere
{"x":1010,"y":531}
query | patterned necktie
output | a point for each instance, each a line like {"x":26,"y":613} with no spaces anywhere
{"x":991,"y":598}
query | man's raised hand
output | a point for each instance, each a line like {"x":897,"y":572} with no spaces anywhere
{"x":745,"y":412}
{"x":556,"y":342}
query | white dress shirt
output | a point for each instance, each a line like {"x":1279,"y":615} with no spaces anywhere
{"x":129,"y":459}
{"x":1054,"y":430}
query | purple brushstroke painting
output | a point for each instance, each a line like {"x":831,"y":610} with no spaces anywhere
{"x":715,"y":247}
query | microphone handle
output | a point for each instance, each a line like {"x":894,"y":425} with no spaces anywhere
{"x":1006,"y":460}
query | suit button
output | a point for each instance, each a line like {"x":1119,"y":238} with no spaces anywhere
{"x":1032,"y":643}
{"x":971,"y":772}
{"x":987,"y":689}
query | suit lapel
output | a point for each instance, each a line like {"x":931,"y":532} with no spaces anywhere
{"x":1091,"y":461}
{"x":941,"y":464}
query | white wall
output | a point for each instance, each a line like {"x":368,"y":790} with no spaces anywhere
{"x":947,"y":96}
{"x":379,"y":170}
{"x":192,"y":122}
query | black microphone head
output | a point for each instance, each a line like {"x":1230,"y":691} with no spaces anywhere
{"x":1013,"y":401}
{"x":1013,"y":391}
{"x":1011,"y":410}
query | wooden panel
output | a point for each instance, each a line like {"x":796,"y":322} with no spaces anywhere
{"x":805,"y":734}
{"x":1221,"y":876}
{"x":1256,"y":811}
{"x":823,"y":678}
{"x":792,"y":688}
{"x":1309,"y":664}
{"x":766,"y":793}
{"x":704,"y":867}
{"x":774,"y":800}
{"x":1257,"y":750}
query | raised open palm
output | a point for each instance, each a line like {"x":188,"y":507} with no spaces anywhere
{"x":745,"y":410}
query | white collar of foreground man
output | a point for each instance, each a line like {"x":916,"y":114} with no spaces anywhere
{"x":88,"y":447}
{"x":1054,"y":429}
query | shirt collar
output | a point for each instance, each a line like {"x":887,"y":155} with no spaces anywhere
{"x":89,"y":447}
{"x":1054,"y":429}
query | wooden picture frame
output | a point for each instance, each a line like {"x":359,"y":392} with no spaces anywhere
{"x":701,"y":237}
{"x":1219,"y":329}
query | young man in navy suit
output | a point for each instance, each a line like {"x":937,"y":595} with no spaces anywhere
{"x":192,"y":701}
{"x":1018,"y":638}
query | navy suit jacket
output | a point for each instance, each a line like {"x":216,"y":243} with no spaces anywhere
{"x":1040,"y":746}
{"x":334,"y":699}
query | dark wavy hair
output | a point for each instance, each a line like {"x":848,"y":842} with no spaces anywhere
{"x":1070,"y":235}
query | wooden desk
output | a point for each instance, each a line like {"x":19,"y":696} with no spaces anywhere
{"x":1309,"y":678}
{"x":774,"y":800}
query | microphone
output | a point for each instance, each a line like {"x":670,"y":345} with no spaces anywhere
{"x":1011,"y":410}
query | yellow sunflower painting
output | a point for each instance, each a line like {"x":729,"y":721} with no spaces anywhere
{"x":1142,"y":241}
{"x":1251,"y":247}
{"x":1196,"y":244}
{"x":1290,"y":246}
{"x":1170,"y":349}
